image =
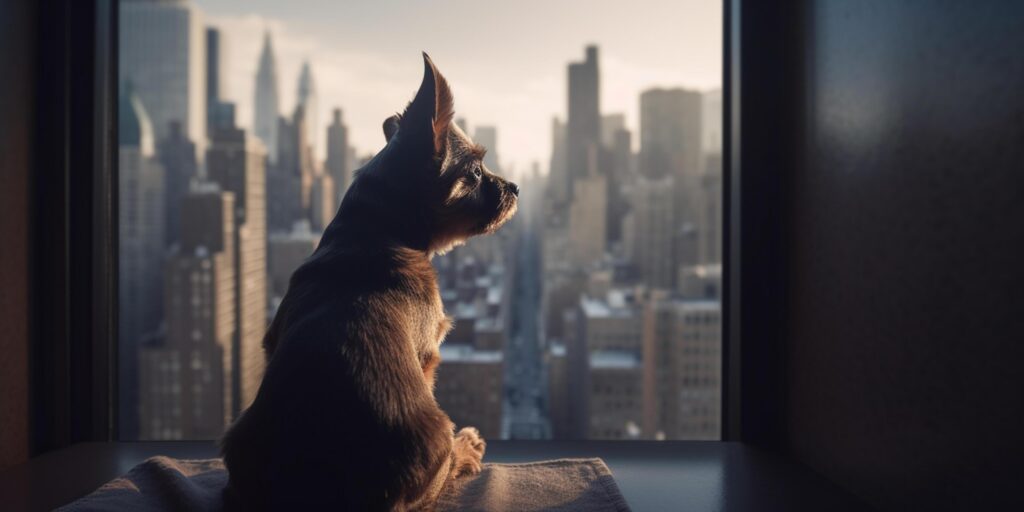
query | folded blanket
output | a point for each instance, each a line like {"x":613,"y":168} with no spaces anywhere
{"x":161,"y":484}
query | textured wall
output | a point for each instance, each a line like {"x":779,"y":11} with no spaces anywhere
{"x":16,"y":43}
{"x":905,"y":331}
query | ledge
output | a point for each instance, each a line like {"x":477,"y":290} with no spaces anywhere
{"x":673,"y":475}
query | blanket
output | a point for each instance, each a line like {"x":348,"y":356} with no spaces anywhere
{"x":164,"y":484}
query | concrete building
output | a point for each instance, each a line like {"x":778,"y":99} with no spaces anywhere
{"x":162,"y":52}
{"x":670,"y":143}
{"x":266,"y":107}
{"x":290,"y":180}
{"x":558,"y":175}
{"x":307,"y":99}
{"x":584,"y":124}
{"x":322,"y":201}
{"x":187,"y":380}
{"x":700,"y":281}
{"x":588,"y":234}
{"x":236,"y":161}
{"x":178,"y":157}
{"x":287,"y":251}
{"x":615,"y":398}
{"x":141,"y":245}
{"x":219,"y":113}
{"x":682,"y":369}
{"x":470,"y":386}
{"x":337,"y":164}
{"x":652,"y":231}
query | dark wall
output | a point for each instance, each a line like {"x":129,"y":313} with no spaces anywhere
{"x":16,"y":50}
{"x":904,"y":335}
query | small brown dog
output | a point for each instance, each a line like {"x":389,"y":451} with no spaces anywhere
{"x":345,"y":418}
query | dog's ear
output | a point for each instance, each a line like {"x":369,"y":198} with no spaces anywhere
{"x":428,"y":116}
{"x":391,"y":127}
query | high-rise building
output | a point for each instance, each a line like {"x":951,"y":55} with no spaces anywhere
{"x":141,"y":239}
{"x":187,"y":379}
{"x":711,"y":122}
{"x":322,"y":201}
{"x":236,"y":161}
{"x":162,"y":52}
{"x":306,"y":98}
{"x":603,"y":366}
{"x":337,"y":163}
{"x":588,"y":219}
{"x":682,"y":368}
{"x":615,"y":395}
{"x":219,"y":113}
{"x":178,"y":157}
{"x":290,"y":180}
{"x":558,"y":176}
{"x":287,"y":251}
{"x":584,"y":126}
{"x":487,"y":136}
{"x":670,"y":143}
{"x":709,"y":218}
{"x":265,"y":107}
{"x":617,"y":152}
{"x":470,"y":384}
{"x":651,"y":233}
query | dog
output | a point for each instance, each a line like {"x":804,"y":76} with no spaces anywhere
{"x":345,"y":417}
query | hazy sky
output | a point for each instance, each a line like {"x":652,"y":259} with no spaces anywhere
{"x":506,"y":61}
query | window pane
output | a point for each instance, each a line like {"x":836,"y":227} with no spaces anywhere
{"x":595,"y":313}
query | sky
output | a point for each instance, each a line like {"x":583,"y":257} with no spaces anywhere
{"x":505,"y":61}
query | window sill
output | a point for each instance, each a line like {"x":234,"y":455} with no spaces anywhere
{"x":695,"y":475}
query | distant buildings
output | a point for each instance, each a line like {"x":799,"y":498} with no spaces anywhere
{"x":337,"y":164}
{"x":583,"y":137}
{"x":307,"y":99}
{"x":652,"y":230}
{"x":219,"y":112}
{"x":287,"y":250}
{"x":290,"y":180}
{"x":471,"y":379}
{"x":177,"y":155}
{"x":187,"y":379}
{"x":162,"y":53}
{"x":265,"y":106}
{"x":141,"y":238}
{"x":236,"y":162}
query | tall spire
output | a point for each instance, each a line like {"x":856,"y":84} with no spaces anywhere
{"x":266,"y":109}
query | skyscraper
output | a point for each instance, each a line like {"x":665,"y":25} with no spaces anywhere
{"x":236,"y":162}
{"x":178,"y":157}
{"x":651,"y":241}
{"x":140,"y":235}
{"x":220,"y":113}
{"x":682,"y":368}
{"x":584,"y":126}
{"x":337,"y":154}
{"x":290,"y":182}
{"x":265,"y":108}
{"x":162,"y":54}
{"x":558,"y":177}
{"x":306,"y":98}
{"x":186,"y":381}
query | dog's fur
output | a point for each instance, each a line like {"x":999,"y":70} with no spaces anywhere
{"x":345,"y":418}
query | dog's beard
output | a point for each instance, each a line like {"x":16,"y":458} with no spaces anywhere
{"x":503,"y":211}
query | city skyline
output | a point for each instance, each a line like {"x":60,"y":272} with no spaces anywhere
{"x":516,"y":87}
{"x":592,"y":314}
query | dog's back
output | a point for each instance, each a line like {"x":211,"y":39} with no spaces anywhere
{"x":345,"y":417}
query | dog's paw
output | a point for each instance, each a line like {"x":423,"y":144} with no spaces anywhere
{"x":468,"y":452}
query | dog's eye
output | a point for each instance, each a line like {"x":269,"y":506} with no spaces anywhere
{"x":477,"y":173}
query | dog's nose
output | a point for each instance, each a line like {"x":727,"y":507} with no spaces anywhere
{"x":514,"y":188}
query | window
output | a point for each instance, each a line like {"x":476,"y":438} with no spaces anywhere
{"x":240,"y":126}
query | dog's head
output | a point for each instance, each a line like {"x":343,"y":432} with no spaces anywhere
{"x":434,"y":175}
